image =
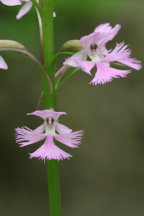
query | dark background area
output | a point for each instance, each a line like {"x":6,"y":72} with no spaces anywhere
{"x":106,"y":174}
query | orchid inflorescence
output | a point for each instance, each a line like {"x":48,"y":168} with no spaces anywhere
{"x":90,"y":55}
{"x":88,"y":52}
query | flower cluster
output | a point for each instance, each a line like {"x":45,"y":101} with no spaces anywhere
{"x":95,"y":53}
{"x":48,"y":131}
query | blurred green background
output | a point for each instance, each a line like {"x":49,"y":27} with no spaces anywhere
{"x":106,"y":174}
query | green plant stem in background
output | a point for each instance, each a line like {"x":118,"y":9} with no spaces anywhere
{"x":50,"y":101}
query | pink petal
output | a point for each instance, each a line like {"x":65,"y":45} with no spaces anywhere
{"x":86,"y":66}
{"x":62,"y":129}
{"x":50,"y":151}
{"x":11,"y":2}
{"x":79,"y":60}
{"x":120,"y":52}
{"x":93,"y":38}
{"x":72,"y":140}
{"x":3,"y":64}
{"x":131,"y":62}
{"x":40,"y":129}
{"x":47,"y":113}
{"x":105,"y":74}
{"x":25,"y":136}
{"x":107,"y":29}
{"x":72,"y":61}
{"x":25,"y":9}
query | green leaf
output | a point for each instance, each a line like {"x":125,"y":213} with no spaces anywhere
{"x":68,"y":48}
{"x":10,"y":44}
{"x":55,"y":58}
{"x":66,"y":76}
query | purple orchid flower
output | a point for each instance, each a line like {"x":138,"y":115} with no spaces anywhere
{"x":3,"y":64}
{"x":94,"y":53}
{"x":25,"y":8}
{"x":49,"y":131}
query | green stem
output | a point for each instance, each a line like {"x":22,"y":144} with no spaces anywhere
{"x":50,"y":101}
{"x":48,"y":49}
{"x":37,"y":5}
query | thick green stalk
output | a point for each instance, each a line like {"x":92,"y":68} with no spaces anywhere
{"x":50,"y":101}
{"x":48,"y":49}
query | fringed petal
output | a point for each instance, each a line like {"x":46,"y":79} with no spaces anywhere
{"x":118,"y":53}
{"x":72,"y":140}
{"x":50,"y":151}
{"x":131,"y":62}
{"x":106,"y":74}
{"x":121,"y":54}
{"x":25,"y":136}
